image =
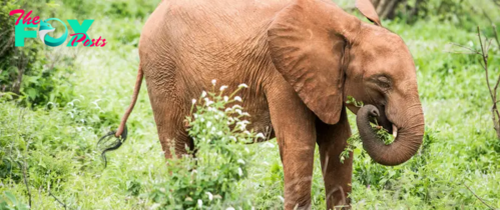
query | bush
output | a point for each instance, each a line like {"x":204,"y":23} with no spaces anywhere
{"x":29,"y":140}
{"x":33,"y":75}
{"x":458,"y":12}
{"x":208,"y":176}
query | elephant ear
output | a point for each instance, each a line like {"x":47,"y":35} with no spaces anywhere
{"x":306,"y":47}
{"x":366,"y":8}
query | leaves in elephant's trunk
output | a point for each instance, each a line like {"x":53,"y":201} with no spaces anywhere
{"x":352,"y":142}
{"x":381,"y":132}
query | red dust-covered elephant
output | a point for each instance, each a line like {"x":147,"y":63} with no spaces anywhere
{"x":300,"y":59}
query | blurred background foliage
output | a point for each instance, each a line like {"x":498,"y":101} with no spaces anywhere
{"x":56,"y":102}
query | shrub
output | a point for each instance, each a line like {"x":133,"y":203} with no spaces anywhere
{"x":208,"y":176}
{"x":459,"y":12}
{"x":27,"y":74}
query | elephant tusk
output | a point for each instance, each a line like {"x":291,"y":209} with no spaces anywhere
{"x":394,"y":131}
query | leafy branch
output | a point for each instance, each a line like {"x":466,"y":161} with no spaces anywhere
{"x":483,"y":52}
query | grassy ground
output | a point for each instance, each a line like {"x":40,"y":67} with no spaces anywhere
{"x":58,"y":144}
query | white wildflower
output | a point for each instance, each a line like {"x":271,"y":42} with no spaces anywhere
{"x":236,"y":107}
{"x":210,"y":196}
{"x":260,"y":135}
{"x":281,"y":198}
{"x":203,"y":94}
{"x":230,"y":208}
{"x":242,"y":124}
{"x":239,"y":112}
{"x":245,"y":114}
{"x":240,"y":161}
{"x":220,"y":133}
{"x":214,"y":82}
{"x":208,"y":102}
{"x":226,"y":98}
{"x":200,"y":203}
{"x":240,"y":172}
{"x":237,"y":98}
{"x":222,"y":88}
{"x":209,"y":124}
{"x":243,"y":85}
{"x":194,"y":101}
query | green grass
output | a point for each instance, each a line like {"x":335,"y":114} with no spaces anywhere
{"x":58,"y":142}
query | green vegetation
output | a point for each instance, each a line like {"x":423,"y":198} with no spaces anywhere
{"x":71,"y":96}
{"x":221,"y":157}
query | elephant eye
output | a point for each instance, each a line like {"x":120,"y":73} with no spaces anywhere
{"x":383,"y":82}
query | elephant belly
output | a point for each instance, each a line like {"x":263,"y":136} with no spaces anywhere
{"x":260,"y":118}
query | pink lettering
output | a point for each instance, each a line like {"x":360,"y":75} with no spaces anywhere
{"x":36,"y":20}
{"x":103,"y":42}
{"x":76,"y":38}
{"x":16,"y":11}
{"x":27,"y":19}
{"x":86,"y":43}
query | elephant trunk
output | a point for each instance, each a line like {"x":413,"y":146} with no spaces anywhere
{"x":406,"y":144}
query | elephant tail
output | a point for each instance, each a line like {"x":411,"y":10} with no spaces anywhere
{"x":121,"y":133}
{"x":123,"y":128}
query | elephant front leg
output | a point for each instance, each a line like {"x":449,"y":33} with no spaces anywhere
{"x":293,"y":124}
{"x":332,"y":140}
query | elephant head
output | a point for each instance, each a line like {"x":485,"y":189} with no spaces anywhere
{"x":326,"y":55}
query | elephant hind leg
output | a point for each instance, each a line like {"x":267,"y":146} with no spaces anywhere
{"x":174,"y":139}
{"x":169,"y":116}
{"x":167,"y":98}
{"x":172,"y":131}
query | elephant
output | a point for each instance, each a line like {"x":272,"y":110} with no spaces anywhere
{"x":301,"y":59}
